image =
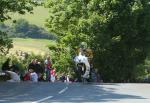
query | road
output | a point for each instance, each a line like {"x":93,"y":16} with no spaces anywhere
{"x":44,"y":92}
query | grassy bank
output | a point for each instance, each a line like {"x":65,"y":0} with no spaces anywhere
{"x":37,"y":46}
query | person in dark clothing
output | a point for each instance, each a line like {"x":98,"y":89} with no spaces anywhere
{"x":32,"y":65}
{"x":39,"y":68}
{"x":5,"y":66}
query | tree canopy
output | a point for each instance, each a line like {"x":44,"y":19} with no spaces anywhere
{"x":118,"y":31}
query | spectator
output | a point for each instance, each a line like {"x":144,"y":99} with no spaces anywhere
{"x":32,"y":65}
{"x":48,"y":66}
{"x":38,"y":67}
{"x":40,"y":71}
{"x":26,"y":76}
{"x":14,"y":76}
{"x":33,"y":75}
{"x":53,"y":75}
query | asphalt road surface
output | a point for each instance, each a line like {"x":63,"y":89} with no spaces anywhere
{"x":44,"y":92}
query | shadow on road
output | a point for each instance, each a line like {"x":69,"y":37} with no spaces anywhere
{"x":76,"y":92}
{"x":27,"y":92}
{"x":93,"y":93}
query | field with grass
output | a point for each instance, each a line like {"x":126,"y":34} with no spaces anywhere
{"x":37,"y":46}
{"x":40,"y":14}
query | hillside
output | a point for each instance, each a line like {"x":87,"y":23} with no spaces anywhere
{"x":38,"y":17}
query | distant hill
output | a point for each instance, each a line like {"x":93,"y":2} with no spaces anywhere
{"x":23,"y":29}
{"x":37,"y":18}
{"x":34,"y":27}
{"x":38,"y":46}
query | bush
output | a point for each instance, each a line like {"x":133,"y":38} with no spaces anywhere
{"x":21,"y":62}
{"x":62,"y":59}
{"x":2,"y":60}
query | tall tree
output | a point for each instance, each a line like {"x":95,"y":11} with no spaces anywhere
{"x":117,"y":30}
{"x":6,"y":7}
{"x":68,"y":19}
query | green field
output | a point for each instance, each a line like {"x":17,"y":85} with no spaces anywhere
{"x":37,"y":46}
{"x":40,"y":14}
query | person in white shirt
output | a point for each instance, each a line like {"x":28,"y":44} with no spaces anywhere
{"x":33,"y":75}
{"x":14,"y":76}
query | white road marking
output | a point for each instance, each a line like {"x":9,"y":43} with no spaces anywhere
{"x":49,"y":97}
{"x":63,"y":90}
{"x":41,"y":100}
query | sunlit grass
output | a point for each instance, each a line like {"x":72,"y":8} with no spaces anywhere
{"x":37,"y":46}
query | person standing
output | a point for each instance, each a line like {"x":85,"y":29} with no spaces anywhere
{"x":32,"y":64}
{"x":48,"y":66}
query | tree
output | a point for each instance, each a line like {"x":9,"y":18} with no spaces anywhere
{"x":67,"y":19}
{"x":5,"y":43}
{"x":6,"y":7}
{"x":61,"y":58}
{"x":21,"y":26}
{"x":117,"y":30}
